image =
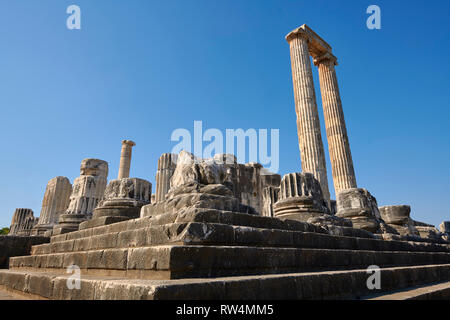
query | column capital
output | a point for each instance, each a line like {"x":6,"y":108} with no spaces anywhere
{"x":297,"y":33}
{"x":316,"y":45}
{"x":129,"y":142}
{"x":327,"y":57}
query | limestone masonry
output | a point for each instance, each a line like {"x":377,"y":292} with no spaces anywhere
{"x":22,"y":222}
{"x":55,"y":203}
{"x":219,"y":229}
{"x":87,"y":191}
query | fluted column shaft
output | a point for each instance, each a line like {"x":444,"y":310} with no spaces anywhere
{"x":338,"y":144}
{"x":166,"y":168}
{"x":125,"y":159}
{"x":312,"y":152}
{"x":56,"y":200}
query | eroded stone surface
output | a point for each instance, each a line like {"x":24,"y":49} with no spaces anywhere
{"x":87,"y":191}
{"x":123,"y":199}
{"x":361,"y":207}
{"x":445,"y":227}
{"x":22,"y":222}
{"x":55,"y":203}
{"x":300,"y":198}
{"x":398,"y":218}
{"x":429,"y":232}
{"x":396,"y":214}
{"x":166,"y":167}
{"x":270,"y":197}
{"x":245,"y":181}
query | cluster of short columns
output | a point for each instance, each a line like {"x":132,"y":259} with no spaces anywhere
{"x":308,"y":123}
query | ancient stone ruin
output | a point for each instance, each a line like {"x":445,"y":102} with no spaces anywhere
{"x":123,"y":197}
{"x":166,"y":168}
{"x":398,"y":217}
{"x":219,"y":229}
{"x":87,"y":191}
{"x":22,"y":222}
{"x":445,"y":229}
{"x":55,"y":203}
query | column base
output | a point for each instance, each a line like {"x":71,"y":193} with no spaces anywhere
{"x":69,"y":223}
{"x":297,"y":208}
{"x":361,"y":208}
{"x":40,"y":230}
{"x":113,"y":211}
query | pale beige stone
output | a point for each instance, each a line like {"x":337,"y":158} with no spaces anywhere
{"x":55,"y":202}
{"x":22,"y":222}
{"x":166,"y":167}
{"x":338,"y":144}
{"x":89,"y":187}
{"x":308,"y":125}
{"x":307,"y":42}
{"x":300,"y":198}
{"x":87,"y":191}
{"x":125,"y":159}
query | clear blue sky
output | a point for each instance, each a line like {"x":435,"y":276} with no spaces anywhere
{"x":140,"y":69}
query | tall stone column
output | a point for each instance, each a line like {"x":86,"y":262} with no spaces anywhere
{"x":338,"y":144}
{"x":308,"y":125}
{"x":125,"y":159}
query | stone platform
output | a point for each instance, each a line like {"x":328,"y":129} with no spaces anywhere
{"x":437,"y":291}
{"x":346,"y":284}
{"x":200,"y":253}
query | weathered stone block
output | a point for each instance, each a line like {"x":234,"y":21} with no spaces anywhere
{"x":359,"y":206}
{"x":55,"y":260}
{"x":87,"y":191}
{"x":150,"y":258}
{"x":75,"y":258}
{"x":56,"y":201}
{"x":300,"y":198}
{"x":396,"y":214}
{"x":445,"y":227}
{"x":22,"y":222}
{"x":40,"y":285}
{"x":62,"y":292}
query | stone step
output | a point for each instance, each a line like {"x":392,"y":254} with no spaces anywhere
{"x":196,"y":215}
{"x":437,"y":291}
{"x":179,"y":261}
{"x":222,"y":234}
{"x":149,"y":236}
{"x":348,"y":284}
{"x":6,"y":294}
